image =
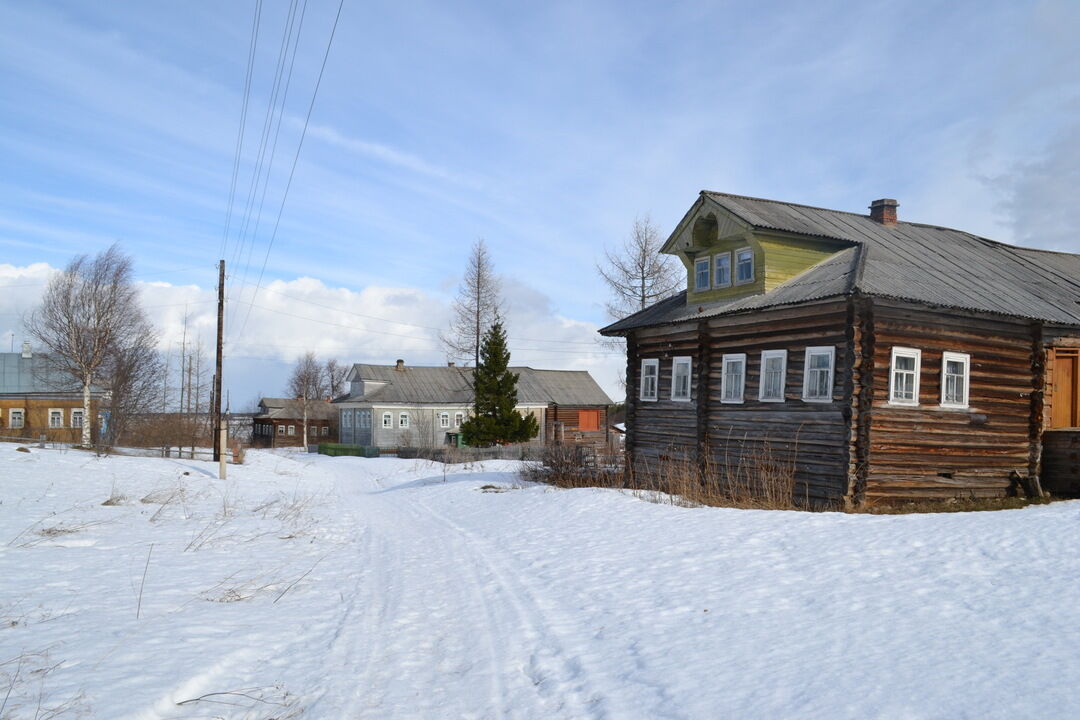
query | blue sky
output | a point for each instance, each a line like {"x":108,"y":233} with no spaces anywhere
{"x":544,"y":128}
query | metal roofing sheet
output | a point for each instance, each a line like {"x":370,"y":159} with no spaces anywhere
{"x":453,"y":385}
{"x":907,"y":261}
{"x":34,"y":375}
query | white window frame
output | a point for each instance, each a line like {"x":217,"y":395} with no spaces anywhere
{"x":459,"y":417}
{"x":735,"y":270}
{"x":829,"y":350}
{"x":72,"y":413}
{"x":653,"y":363}
{"x":964,"y":358}
{"x":908,"y":353}
{"x":292,"y":431}
{"x":346,"y":419}
{"x":280,"y":429}
{"x":687,"y":361}
{"x":54,"y":412}
{"x":765,"y":355}
{"x":707,"y":262}
{"x":724,"y":360}
{"x":403,"y":420}
{"x":716,"y":274}
{"x":363,"y":419}
{"x":12,"y":412}
{"x":388,"y":419}
{"x":444,"y":419}
{"x":324,"y":430}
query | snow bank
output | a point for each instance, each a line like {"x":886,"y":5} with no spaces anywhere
{"x":378,"y":588}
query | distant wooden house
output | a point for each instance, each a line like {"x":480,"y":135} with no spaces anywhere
{"x":392,"y":406}
{"x":279,"y":422}
{"x":37,"y":399}
{"x":880,"y":359}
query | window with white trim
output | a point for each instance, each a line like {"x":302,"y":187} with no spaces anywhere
{"x":701,"y":273}
{"x":733,"y":378}
{"x":458,"y":419}
{"x":680,"y":378}
{"x":444,"y":419}
{"x":818,"y":365}
{"x":16,"y":418}
{"x":346,"y":419}
{"x":773,"y":375}
{"x":744,"y":266}
{"x":387,"y":420}
{"x":280,"y":429}
{"x":955,"y":379}
{"x":905,"y":369}
{"x":363,"y":419}
{"x":292,"y":430}
{"x":650,"y":372}
{"x":77,"y":417}
{"x":722,"y":270}
{"x":56,"y":418}
{"x":403,"y":420}
{"x":324,"y":430}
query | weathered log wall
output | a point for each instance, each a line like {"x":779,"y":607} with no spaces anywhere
{"x":664,"y":428}
{"x":930,"y":451}
{"x":811,"y":437}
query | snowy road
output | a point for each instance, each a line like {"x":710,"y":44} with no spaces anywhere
{"x":349,"y":588}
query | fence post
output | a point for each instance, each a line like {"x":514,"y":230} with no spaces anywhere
{"x":41,"y":441}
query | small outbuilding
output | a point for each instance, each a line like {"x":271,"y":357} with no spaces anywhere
{"x":279,"y":422}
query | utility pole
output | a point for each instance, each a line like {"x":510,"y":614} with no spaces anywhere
{"x":219,"y":428}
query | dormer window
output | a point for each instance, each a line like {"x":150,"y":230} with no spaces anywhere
{"x":701,"y":274}
{"x":722,"y":273}
{"x":744,"y":266}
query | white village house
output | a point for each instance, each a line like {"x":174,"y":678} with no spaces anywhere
{"x":391,"y":406}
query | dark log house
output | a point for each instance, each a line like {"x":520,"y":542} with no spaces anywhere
{"x":882,"y":359}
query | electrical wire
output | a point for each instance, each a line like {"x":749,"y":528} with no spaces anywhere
{"x":292,"y":171}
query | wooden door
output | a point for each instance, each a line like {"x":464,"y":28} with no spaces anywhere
{"x":1063,"y":393}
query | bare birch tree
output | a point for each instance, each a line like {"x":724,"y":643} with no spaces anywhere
{"x":90,"y":312}
{"x":308,"y":385}
{"x":637,"y":274}
{"x":476,"y":307}
{"x":335,"y":377}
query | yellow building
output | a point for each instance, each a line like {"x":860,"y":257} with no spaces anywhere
{"x":36,"y":399}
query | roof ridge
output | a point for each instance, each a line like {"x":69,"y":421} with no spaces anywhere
{"x":790,"y":204}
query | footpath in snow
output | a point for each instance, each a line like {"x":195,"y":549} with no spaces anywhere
{"x":317,"y":587}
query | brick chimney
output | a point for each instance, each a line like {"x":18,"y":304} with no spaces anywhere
{"x":884,"y":211}
{"x":449,"y":363}
{"x":400,"y":366}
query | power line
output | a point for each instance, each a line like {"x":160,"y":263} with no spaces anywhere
{"x":268,"y":123}
{"x":292,"y":171}
{"x":238,"y":152}
{"x":273,"y":149}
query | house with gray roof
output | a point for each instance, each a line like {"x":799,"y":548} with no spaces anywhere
{"x":279,"y":422}
{"x":392,"y":406}
{"x":38,"y":399}
{"x":874,"y":359}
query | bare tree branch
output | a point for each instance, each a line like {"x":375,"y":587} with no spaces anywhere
{"x":308,"y":384}
{"x":475,"y":309}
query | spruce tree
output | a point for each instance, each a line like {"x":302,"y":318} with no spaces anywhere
{"x":495,"y":421}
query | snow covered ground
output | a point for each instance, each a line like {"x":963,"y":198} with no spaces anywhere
{"x":351,"y":588}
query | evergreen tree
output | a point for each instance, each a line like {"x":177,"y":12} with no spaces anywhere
{"x":495,"y":421}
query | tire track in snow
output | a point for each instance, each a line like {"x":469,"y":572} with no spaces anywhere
{"x":551,"y":660}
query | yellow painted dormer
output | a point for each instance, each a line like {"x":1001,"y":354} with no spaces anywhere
{"x":726,"y":258}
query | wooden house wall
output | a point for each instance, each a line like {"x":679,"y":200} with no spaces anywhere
{"x":572,"y":434}
{"x":810,"y":437}
{"x":665,"y":428}
{"x":36,"y":417}
{"x":933,"y":452}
